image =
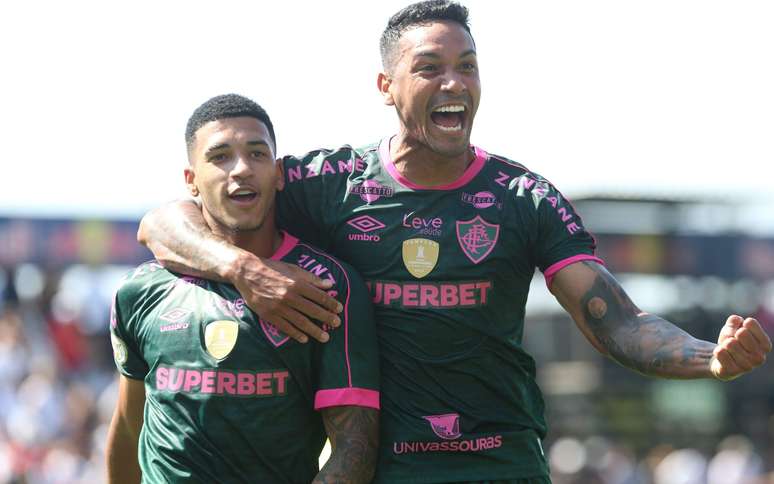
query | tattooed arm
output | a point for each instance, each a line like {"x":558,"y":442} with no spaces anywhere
{"x":354,"y":435}
{"x":647,"y":343}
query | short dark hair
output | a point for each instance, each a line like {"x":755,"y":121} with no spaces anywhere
{"x":226,"y":106}
{"x":420,"y":13}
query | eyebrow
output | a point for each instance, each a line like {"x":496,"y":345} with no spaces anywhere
{"x":212,"y":149}
{"x":437,"y":56}
{"x":258,"y":143}
{"x":221,"y":146}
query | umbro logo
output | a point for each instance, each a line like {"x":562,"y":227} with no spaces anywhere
{"x":175,"y":315}
{"x":366,"y":223}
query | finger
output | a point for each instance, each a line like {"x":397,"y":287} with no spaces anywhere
{"x":321,"y":298}
{"x":313,"y":311}
{"x":740,"y":356}
{"x":312,"y":279}
{"x":747,"y":340}
{"x":733,"y":323}
{"x":283,"y":325}
{"x":303,"y":324}
{"x":761,"y":337}
{"x":729,"y":369}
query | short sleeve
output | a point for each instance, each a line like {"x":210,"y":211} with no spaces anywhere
{"x":562,"y":238}
{"x":348,"y":363}
{"x":315,"y":186}
{"x":127,"y":357}
{"x":295,"y":212}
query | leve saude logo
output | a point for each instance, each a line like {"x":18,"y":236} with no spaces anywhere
{"x":446,"y":426}
{"x":477,"y":238}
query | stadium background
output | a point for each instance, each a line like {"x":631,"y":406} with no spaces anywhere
{"x":655,"y":119}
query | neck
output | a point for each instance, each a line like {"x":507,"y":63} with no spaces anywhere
{"x":423,"y":166}
{"x":262,"y":241}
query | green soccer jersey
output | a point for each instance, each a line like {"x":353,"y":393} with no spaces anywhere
{"x":228,"y":397}
{"x":448,"y":269}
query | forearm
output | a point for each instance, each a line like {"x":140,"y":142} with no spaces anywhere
{"x":353,"y":432}
{"x":180,"y":240}
{"x":615,"y":326}
{"x":653,"y":346}
{"x":121,"y":454}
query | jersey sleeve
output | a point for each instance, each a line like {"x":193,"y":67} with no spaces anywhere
{"x":561,"y":236}
{"x":126,"y":354}
{"x":348,"y":363}
{"x":314,"y":186}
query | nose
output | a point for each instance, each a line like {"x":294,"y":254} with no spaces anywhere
{"x":453,"y":82}
{"x":241,"y":167}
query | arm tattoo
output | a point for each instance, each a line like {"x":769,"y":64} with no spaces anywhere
{"x":354,"y":433}
{"x":643,"y":342}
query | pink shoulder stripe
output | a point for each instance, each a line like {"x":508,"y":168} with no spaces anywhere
{"x":338,"y":397}
{"x":288,"y":242}
{"x":472,"y":170}
{"x":556,"y":267}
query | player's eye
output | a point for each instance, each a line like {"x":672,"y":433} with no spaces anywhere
{"x":218,"y":157}
{"x":468,"y":66}
{"x":427,"y":68}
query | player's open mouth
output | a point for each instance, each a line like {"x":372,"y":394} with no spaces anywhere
{"x":243,"y":195}
{"x":449,"y":118}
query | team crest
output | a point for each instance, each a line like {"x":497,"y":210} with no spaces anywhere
{"x":220,"y":338}
{"x":445,"y":426}
{"x":477,"y":237}
{"x":420,"y":256}
{"x":277,"y":337}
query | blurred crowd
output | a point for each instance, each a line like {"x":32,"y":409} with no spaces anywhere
{"x":58,"y":390}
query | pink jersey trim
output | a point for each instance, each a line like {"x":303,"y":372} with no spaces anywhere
{"x":288,"y":242}
{"x":338,"y":397}
{"x":346,"y":311}
{"x":470,"y":172}
{"x":554,"y":268}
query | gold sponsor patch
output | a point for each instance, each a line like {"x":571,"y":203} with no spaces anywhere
{"x":120,"y":354}
{"x":420,"y":256}
{"x":220,"y":338}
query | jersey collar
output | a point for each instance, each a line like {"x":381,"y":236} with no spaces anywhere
{"x":470,"y":172}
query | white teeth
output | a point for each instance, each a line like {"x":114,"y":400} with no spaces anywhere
{"x":450,"y":109}
{"x":242,"y":191}
{"x":453,"y":128}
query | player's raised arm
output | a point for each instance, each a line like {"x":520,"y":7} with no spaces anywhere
{"x":282,"y":294}
{"x":124,"y":433}
{"x":647,"y":343}
{"x":354,"y":436}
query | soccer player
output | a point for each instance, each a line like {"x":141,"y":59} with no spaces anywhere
{"x":447,"y":237}
{"x":211,"y":392}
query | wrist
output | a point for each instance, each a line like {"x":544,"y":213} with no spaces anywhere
{"x":235,"y":264}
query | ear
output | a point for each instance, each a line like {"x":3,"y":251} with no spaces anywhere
{"x":190,"y":177}
{"x":280,"y":182}
{"x":383,"y":83}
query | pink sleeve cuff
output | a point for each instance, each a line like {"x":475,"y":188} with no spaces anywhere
{"x":338,"y":397}
{"x":556,"y":267}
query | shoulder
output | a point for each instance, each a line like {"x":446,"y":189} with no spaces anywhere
{"x":520,"y":182}
{"x":328,"y":164}
{"x":142,"y":282}
{"x":325,"y":266}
